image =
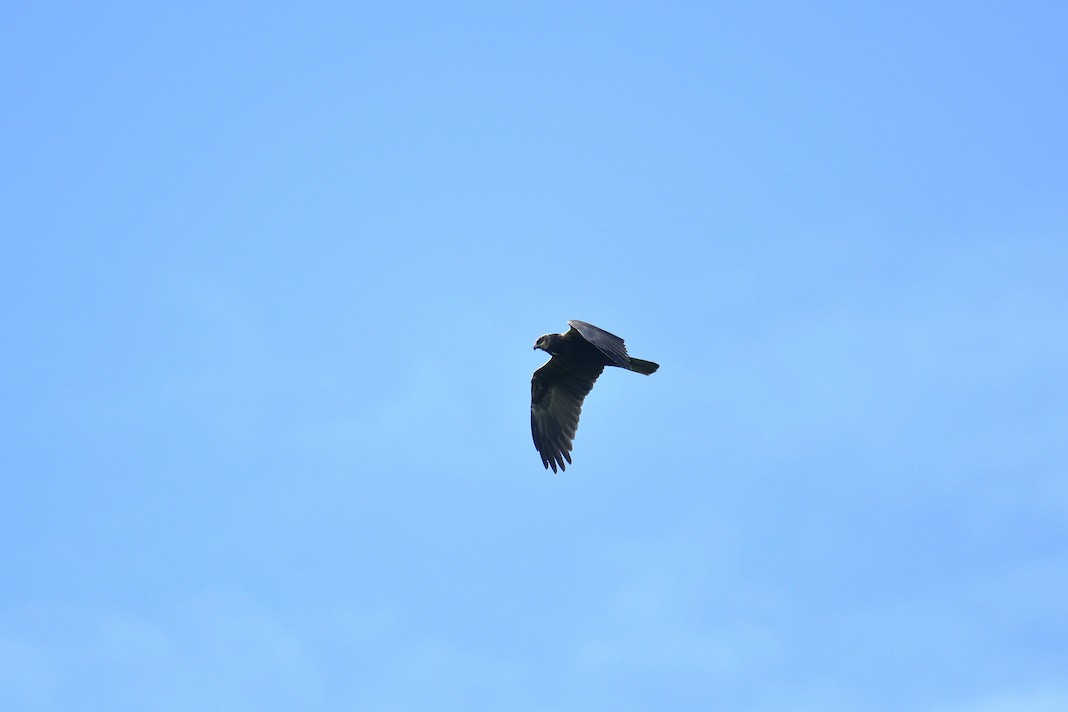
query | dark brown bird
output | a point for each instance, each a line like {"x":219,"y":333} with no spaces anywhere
{"x":559,"y":387}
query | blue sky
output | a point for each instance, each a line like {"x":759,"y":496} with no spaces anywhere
{"x":271,"y":279}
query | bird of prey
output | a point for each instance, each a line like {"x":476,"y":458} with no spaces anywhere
{"x":559,"y":387}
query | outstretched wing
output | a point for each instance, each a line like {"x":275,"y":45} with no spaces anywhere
{"x":556,"y":394}
{"x":608,"y":344}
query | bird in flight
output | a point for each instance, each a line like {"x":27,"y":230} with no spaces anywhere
{"x":559,"y":387}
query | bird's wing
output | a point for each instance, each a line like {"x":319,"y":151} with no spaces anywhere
{"x":556,"y":394}
{"x":608,"y":344}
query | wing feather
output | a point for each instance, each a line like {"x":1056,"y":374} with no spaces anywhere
{"x":557,"y":390}
{"x":608,"y":344}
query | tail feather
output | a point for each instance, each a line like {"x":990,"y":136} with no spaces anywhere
{"x":642,"y":366}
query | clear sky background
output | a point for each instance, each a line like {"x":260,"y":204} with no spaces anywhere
{"x":270,"y":279}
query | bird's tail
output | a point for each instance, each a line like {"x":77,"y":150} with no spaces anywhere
{"x":643,"y":367}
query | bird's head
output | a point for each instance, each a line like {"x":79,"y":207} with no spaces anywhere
{"x":545,"y":343}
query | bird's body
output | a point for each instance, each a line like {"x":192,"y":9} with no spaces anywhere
{"x":559,"y":387}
